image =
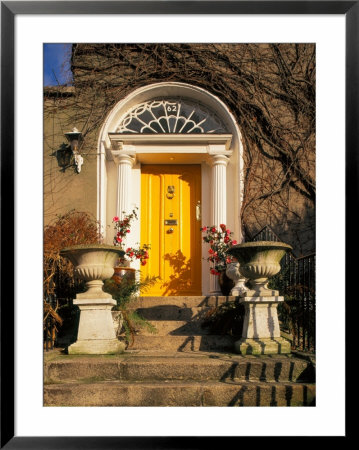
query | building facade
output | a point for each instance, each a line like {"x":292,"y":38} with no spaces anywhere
{"x":176,"y":150}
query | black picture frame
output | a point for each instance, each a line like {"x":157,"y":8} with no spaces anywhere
{"x":9,"y":10}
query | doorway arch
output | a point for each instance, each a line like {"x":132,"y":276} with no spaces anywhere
{"x":127,"y":142}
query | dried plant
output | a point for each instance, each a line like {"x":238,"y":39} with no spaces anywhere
{"x":51,"y":323}
{"x":72,"y":228}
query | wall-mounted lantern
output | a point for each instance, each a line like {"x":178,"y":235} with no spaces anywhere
{"x":74,"y":137}
{"x":64,"y":157}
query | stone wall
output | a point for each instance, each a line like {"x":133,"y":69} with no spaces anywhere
{"x":269,"y":89}
{"x":64,"y":189}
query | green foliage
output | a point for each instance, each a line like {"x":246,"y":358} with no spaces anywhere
{"x":124,"y":293}
{"x":132,"y":321}
{"x":225,"y":319}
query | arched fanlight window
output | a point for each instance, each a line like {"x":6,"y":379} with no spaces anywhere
{"x":170,"y":115}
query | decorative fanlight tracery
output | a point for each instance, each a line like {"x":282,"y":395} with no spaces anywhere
{"x":170,"y":115}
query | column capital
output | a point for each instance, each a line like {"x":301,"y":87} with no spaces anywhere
{"x":218,"y":160}
{"x":123,"y":158}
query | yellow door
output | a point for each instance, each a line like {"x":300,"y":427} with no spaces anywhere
{"x":170,"y":195}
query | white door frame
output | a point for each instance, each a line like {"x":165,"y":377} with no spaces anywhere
{"x":220,"y":155}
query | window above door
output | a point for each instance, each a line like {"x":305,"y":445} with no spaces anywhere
{"x":170,"y":115}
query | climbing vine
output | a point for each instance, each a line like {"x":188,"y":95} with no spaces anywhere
{"x":269,"y":88}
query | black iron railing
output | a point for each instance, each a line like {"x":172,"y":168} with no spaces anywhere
{"x":49,"y":333}
{"x":296,"y":281}
{"x":58,"y":306}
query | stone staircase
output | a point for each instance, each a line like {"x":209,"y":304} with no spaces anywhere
{"x":181,"y":365}
{"x":178,"y":321}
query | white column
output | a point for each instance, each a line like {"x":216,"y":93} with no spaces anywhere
{"x":219,"y":203}
{"x":219,"y":189}
{"x":102,"y":190}
{"x":125,"y":163}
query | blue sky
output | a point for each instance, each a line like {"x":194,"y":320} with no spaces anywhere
{"x":57,"y":64}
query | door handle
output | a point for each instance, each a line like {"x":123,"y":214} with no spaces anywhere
{"x":170,"y":230}
{"x":198,"y":211}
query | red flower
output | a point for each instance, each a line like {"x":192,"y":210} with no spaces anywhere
{"x":213,"y":229}
{"x":128,"y":250}
{"x":228,"y":231}
{"x":143,"y":263}
{"x":204,"y":229}
{"x":211,"y":251}
{"x":118,"y":239}
{"x":128,"y":231}
{"x":213,"y":272}
{"x":222,"y":225}
{"x":226,"y":239}
{"x":234,"y":242}
{"x":115,"y":219}
{"x":228,"y":260}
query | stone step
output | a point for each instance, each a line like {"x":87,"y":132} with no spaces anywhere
{"x":173,"y":312}
{"x":171,"y":367}
{"x":175,"y":328}
{"x":192,"y":343}
{"x":180,"y":301}
{"x":179,"y":393}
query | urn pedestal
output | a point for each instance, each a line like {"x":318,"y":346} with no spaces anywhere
{"x":261,"y":333}
{"x":96,"y":332}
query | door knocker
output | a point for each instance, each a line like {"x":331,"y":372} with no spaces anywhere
{"x":170,"y":192}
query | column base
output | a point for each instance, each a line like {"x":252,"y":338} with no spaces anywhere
{"x":96,"y":347}
{"x":260,"y":293}
{"x":267,"y":346}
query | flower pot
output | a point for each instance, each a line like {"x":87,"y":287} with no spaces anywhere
{"x":93,"y":263}
{"x":124,"y":273}
{"x":96,"y":334}
{"x":225,"y":283}
{"x":259,"y":261}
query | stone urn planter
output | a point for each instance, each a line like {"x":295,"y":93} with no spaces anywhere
{"x":259,"y":261}
{"x":94,"y":263}
{"x":239,"y":280}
